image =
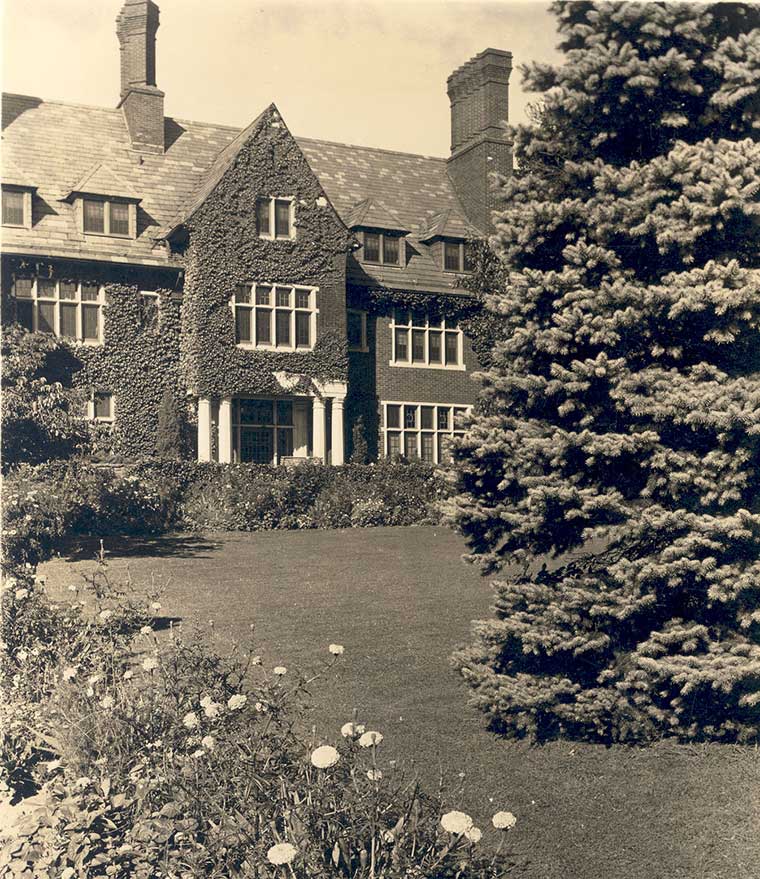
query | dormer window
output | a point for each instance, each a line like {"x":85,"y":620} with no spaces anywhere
{"x":17,"y":207}
{"x":106,"y":217}
{"x":275,"y":218}
{"x":381,"y":248}
{"x":457,"y":256}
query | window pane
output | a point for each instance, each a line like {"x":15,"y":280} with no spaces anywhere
{"x":371,"y":247}
{"x":47,"y":288}
{"x":390,"y":249}
{"x":427,"y":447}
{"x":436,"y":351}
{"x":418,"y":346}
{"x":410,"y":416}
{"x":256,"y":412}
{"x":284,"y":412}
{"x":283,"y":328}
{"x":354,"y":324}
{"x":263,"y":326}
{"x":393,"y":416}
{"x":410,"y":445}
{"x":22,"y":288}
{"x":282,"y":219}
{"x":102,"y":405}
{"x":90,"y":321}
{"x":302,"y":298}
{"x":90,"y":292}
{"x":263,"y":295}
{"x":444,"y":413}
{"x":46,"y":317}
{"x":283,"y":296}
{"x":262,"y":216}
{"x":68,"y":320}
{"x":402,"y":345}
{"x":13,"y":208}
{"x":451,"y":256}
{"x":452,"y":348}
{"x":24,"y":311}
{"x":94,"y":216}
{"x":303,"y":330}
{"x":257,"y":445}
{"x":394,"y":444}
{"x":284,"y":443}
{"x":427,"y":417}
{"x":119,"y":218}
{"x":243,"y":293}
{"x":243,"y":325}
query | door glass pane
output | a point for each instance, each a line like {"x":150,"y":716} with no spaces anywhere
{"x":94,"y":216}
{"x":410,"y":444}
{"x":263,"y":326}
{"x":393,"y":416}
{"x":402,"y":345}
{"x":452,"y":349}
{"x":418,"y":346}
{"x":90,"y":292}
{"x":256,"y":444}
{"x":282,"y":219}
{"x":390,"y":250}
{"x":243,"y":324}
{"x":283,"y":328}
{"x":119,"y":218}
{"x":24,"y":314}
{"x":427,"y":447}
{"x":68,"y":320}
{"x":46,"y":317}
{"x":303,"y":329}
{"x":90,"y":321}
{"x":285,"y":412}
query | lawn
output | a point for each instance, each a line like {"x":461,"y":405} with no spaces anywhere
{"x":399,"y":599}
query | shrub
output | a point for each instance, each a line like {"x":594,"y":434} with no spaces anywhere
{"x":169,"y":434}
{"x":156,"y":757}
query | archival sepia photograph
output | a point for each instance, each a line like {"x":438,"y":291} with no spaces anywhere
{"x":380,"y":442}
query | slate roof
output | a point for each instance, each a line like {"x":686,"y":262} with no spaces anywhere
{"x":369,"y":214}
{"x":101,"y":180}
{"x":54,"y":145}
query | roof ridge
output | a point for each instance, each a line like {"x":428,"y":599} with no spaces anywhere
{"x":356,"y":146}
{"x":62,"y":103}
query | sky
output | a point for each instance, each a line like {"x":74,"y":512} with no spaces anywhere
{"x":368,"y":72}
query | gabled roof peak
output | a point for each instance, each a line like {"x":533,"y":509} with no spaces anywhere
{"x":448,"y":224}
{"x":373,"y":214}
{"x":99,"y":179}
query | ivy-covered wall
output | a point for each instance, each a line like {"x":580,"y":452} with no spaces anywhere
{"x":225,"y":250}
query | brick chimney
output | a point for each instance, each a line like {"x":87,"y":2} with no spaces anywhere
{"x":141,"y":102}
{"x":479,"y":95}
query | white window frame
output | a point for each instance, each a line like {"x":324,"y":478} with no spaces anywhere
{"x":382,"y":236}
{"x":91,"y":408}
{"x":445,"y":327}
{"x":270,"y":236}
{"x":80,"y":303}
{"x":107,"y":202}
{"x":273,"y":308}
{"x":451,"y":431}
{"x":462,"y":246}
{"x":363,"y":347}
{"x":26,"y":206}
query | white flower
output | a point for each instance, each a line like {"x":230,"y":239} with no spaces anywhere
{"x":280,"y":670}
{"x":456,"y":822}
{"x":190,"y":720}
{"x":105,"y":615}
{"x":149,"y":663}
{"x":349,"y":730}
{"x":474,"y":834}
{"x":374,"y":774}
{"x":208,"y":742}
{"x":21,"y":655}
{"x":260,"y":706}
{"x":106,"y":702}
{"x":155,"y":606}
{"x":324,"y":757}
{"x":128,"y":674}
{"x":146,"y":630}
{"x":370,"y":738}
{"x":199,"y":753}
{"x":336,"y":649}
{"x":72,"y":588}
{"x":282,"y":853}
{"x":21,"y":594}
{"x":236,"y":701}
{"x":83,"y":781}
{"x":504,"y":820}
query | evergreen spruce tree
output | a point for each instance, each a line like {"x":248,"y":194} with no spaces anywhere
{"x":622,"y":413}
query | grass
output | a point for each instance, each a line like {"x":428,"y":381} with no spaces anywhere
{"x":399,"y":599}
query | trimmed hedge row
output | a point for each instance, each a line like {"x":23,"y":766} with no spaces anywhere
{"x":46,"y":503}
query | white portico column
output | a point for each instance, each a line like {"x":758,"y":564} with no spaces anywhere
{"x":319,"y":428}
{"x":204,"y":429}
{"x":225,"y":431}
{"x":337,"y":430}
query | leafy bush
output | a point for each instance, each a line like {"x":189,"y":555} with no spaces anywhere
{"x":155,"y":757}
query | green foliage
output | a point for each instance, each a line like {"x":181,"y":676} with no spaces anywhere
{"x":169,"y":438}
{"x":156,"y":756}
{"x":620,"y":415}
{"x":41,"y":414}
{"x":359,"y":447}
